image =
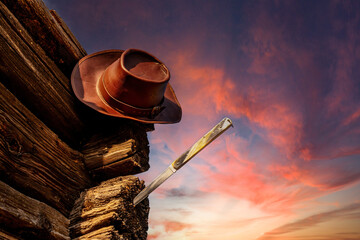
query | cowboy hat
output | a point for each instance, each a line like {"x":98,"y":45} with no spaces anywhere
{"x":130,"y":84}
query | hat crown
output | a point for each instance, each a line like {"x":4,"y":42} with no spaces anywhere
{"x":145,"y":66}
{"x":137,"y":79}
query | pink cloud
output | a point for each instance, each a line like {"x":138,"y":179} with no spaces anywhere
{"x":280,"y":91}
{"x":353,"y":116}
{"x":175,"y":226}
{"x":237,"y":176}
{"x":154,"y":235}
{"x":347,"y":212}
{"x":208,"y":93}
{"x":323,"y":178}
{"x":169,"y":227}
{"x":272,"y":116}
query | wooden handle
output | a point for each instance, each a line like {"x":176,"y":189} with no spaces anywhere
{"x":202,"y":143}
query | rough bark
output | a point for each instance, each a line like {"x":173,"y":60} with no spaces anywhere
{"x":113,"y":151}
{"x":110,"y":155}
{"x":108,"y":233}
{"x":34,"y":160}
{"x":7,"y":236}
{"x":29,"y":218}
{"x":49,"y":31}
{"x":136,"y":163}
{"x":110,"y":205}
{"x":33,"y":78}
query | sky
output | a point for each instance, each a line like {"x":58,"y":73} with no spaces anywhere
{"x":287,"y":74}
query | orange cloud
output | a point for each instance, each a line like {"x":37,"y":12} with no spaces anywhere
{"x":208,"y":92}
{"x":351,"y":212}
{"x":174,"y":226}
{"x":165,"y":228}
{"x":153,"y":236}
{"x":352,"y":117}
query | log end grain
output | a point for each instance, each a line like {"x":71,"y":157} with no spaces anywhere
{"x":110,"y":204}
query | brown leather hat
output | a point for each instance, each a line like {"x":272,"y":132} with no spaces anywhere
{"x":129,"y":84}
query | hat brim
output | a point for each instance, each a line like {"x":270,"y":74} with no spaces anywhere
{"x":88,"y":71}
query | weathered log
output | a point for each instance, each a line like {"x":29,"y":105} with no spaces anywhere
{"x":111,"y":204}
{"x":35,"y":80}
{"x":29,"y":218}
{"x":7,"y":236}
{"x":108,"y":233}
{"x":136,"y":163}
{"x":49,"y":31}
{"x":110,"y":155}
{"x":34,"y":160}
{"x":76,"y":51}
{"x":98,"y":157}
{"x":96,"y":222}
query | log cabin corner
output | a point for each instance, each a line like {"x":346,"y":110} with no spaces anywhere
{"x":65,"y":170}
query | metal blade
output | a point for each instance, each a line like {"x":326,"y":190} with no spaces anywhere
{"x":216,"y":131}
{"x":157,"y":182}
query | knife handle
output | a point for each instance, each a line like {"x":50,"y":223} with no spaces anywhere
{"x":216,"y":131}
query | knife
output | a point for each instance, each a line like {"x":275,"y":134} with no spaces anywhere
{"x":216,"y":131}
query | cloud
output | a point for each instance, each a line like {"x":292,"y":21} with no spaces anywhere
{"x":330,"y":175}
{"x":324,"y":236}
{"x":347,"y":212}
{"x":232,"y":172}
{"x":298,"y":94}
{"x":184,"y":192}
{"x":166,"y":228}
{"x":181,"y":211}
{"x":154,"y":235}
{"x":275,"y":185}
{"x":174,"y":226}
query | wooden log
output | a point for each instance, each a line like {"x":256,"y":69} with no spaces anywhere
{"x":34,"y":160}
{"x":111,"y":204}
{"x":49,"y":31}
{"x":137,"y":163}
{"x":98,"y":157}
{"x":7,"y":236}
{"x":96,"y":222}
{"x":28,"y":218}
{"x":109,"y":155}
{"x":108,"y":233}
{"x":75,"y":47}
{"x":34,"y":79}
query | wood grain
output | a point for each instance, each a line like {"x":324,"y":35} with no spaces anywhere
{"x":137,"y":163}
{"x":110,"y":204}
{"x":34,"y":160}
{"x":108,"y":233}
{"x":29,"y":218}
{"x":48,"y":30}
{"x":34,"y":78}
{"x":117,"y":150}
{"x":7,"y":236}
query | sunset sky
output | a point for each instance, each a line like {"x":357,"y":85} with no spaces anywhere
{"x":287,"y":73}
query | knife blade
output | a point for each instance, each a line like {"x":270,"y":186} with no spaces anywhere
{"x":216,"y":131}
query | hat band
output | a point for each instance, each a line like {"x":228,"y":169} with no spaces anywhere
{"x":124,"y":107}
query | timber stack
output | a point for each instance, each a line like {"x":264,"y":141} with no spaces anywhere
{"x":65,"y":170}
